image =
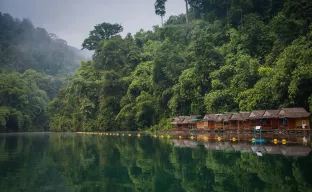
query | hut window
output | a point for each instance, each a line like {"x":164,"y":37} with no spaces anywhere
{"x":234,"y":122}
{"x":226,"y":123}
{"x":265,"y":122}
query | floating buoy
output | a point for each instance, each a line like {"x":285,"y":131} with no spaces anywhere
{"x":284,"y":141}
{"x":155,"y":136}
{"x":205,"y":138}
{"x":129,"y":135}
{"x":253,"y":139}
{"x":192,"y":137}
{"x":219,"y":138}
{"x":138,"y":135}
{"x":123,"y":134}
{"x":180,"y":137}
{"x":168,"y":136}
{"x":275,"y":141}
{"x":234,"y":139}
{"x":117,"y":134}
{"x":162,"y":136}
{"x":110,"y":134}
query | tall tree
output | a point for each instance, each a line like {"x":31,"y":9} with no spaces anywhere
{"x":160,"y":9}
{"x":103,"y":31}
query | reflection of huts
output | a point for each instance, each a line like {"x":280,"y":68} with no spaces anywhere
{"x":273,"y":150}
{"x":225,"y":146}
{"x":185,"y":122}
{"x":294,"y":118}
{"x":258,"y":148}
{"x":212,"y":146}
{"x":242,"y":147}
{"x":184,"y":143}
{"x":296,"y":151}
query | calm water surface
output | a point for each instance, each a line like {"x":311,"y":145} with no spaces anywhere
{"x":77,"y":162}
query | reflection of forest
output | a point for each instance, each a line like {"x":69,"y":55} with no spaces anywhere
{"x":69,"y":162}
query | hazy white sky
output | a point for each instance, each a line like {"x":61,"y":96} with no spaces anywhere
{"x":72,"y":20}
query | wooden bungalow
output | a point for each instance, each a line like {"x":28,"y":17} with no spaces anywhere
{"x":271,"y":120}
{"x":234,"y":121}
{"x":295,"y":118}
{"x":239,"y":121}
{"x":208,"y":122}
{"x":185,"y":122}
{"x":244,"y":125}
{"x":256,"y":118}
{"x":222,"y":121}
{"x":179,"y":122}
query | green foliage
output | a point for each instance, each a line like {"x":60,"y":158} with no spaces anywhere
{"x":23,"y":104}
{"x":232,"y":56}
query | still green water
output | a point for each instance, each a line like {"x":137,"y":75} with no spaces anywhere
{"x":72,"y":162}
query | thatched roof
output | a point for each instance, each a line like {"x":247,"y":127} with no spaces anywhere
{"x":236,"y":117}
{"x":184,"y":119}
{"x":245,"y":115}
{"x":224,"y":117}
{"x":210,"y":117}
{"x":179,"y":120}
{"x":256,"y":114}
{"x":293,"y":113}
{"x":271,"y":114}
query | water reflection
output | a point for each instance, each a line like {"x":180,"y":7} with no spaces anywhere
{"x":74,"y":162}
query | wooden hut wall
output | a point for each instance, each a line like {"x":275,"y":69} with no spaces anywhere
{"x":206,"y":125}
{"x":200,"y":125}
{"x":300,"y":121}
{"x":234,"y":124}
{"x":183,"y":126}
{"x":244,"y":125}
{"x":219,"y":125}
{"x":212,"y":125}
{"x":290,"y":123}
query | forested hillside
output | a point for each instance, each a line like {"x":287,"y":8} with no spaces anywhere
{"x":232,"y":55}
{"x":33,"y":66}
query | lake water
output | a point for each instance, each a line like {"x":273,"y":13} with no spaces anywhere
{"x":49,"y":162}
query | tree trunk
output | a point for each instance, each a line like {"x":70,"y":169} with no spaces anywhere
{"x":162,"y":21}
{"x":187,"y":15}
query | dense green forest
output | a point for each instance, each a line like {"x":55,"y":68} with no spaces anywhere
{"x":231,"y":55}
{"x":65,"y":162}
{"x":33,"y":67}
{"x":221,"y":56}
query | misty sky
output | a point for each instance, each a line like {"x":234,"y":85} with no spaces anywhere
{"x":72,"y":20}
